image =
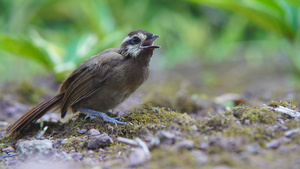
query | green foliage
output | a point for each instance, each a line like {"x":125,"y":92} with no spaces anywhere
{"x":61,"y":34}
{"x":281,"y":17}
{"x":277,"y":16}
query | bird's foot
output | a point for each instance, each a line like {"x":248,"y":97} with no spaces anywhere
{"x":89,"y":116}
{"x":92,"y":114}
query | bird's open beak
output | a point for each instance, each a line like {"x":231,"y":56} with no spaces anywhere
{"x":149,"y":43}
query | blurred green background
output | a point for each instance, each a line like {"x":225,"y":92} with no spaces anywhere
{"x":41,"y":36}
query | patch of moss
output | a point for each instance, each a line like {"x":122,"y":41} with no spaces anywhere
{"x":74,"y":143}
{"x":250,"y":134}
{"x":286,"y":104}
{"x":216,"y":122}
{"x":151,"y":118}
{"x":255,"y":115}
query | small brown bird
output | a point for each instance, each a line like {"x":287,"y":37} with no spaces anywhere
{"x":101,"y":83}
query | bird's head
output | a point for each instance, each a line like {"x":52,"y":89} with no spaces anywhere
{"x":138,"y":42}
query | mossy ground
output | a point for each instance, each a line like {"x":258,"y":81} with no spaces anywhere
{"x":225,"y":134}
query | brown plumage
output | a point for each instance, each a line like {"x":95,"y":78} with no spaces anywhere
{"x":101,"y":83}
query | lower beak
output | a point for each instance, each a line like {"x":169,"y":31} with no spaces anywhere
{"x":149,"y":43}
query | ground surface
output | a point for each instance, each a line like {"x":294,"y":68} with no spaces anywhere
{"x":187,"y":117}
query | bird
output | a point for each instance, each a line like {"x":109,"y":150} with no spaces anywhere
{"x":99,"y":84}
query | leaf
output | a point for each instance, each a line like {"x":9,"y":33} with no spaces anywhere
{"x":276,"y":16}
{"x":24,"y":48}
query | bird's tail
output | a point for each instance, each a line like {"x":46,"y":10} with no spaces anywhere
{"x":35,"y":113}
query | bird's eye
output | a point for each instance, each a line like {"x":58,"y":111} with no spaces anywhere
{"x":135,"y":40}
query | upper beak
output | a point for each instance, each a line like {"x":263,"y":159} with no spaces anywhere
{"x":149,"y":42}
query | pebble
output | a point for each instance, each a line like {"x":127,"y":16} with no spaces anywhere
{"x":247,"y":122}
{"x":204,"y":145}
{"x":291,"y":132}
{"x":77,"y":156}
{"x":166,"y":137}
{"x":82,"y":131}
{"x":253,"y":148}
{"x":99,"y":141}
{"x":274,"y":144}
{"x":93,"y":132}
{"x":8,"y":149}
{"x":238,"y":123}
{"x":57,"y":143}
{"x":137,"y":158}
{"x":185,"y":144}
{"x":201,"y":157}
{"x":35,"y":149}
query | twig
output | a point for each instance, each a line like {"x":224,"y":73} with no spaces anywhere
{"x":127,"y":141}
{"x":281,"y":109}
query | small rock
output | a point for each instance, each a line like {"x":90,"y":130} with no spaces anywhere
{"x":253,"y":148}
{"x":201,"y":157}
{"x":281,"y":121}
{"x":137,"y":157}
{"x":35,"y":149}
{"x":274,"y":144}
{"x":72,"y":151}
{"x":93,"y":132}
{"x":238,"y":123}
{"x":57,"y":143}
{"x":166,"y":137}
{"x":247,"y":122}
{"x":185,"y":144}
{"x":284,"y":140}
{"x":8,"y":149}
{"x":204,"y":145}
{"x":77,"y":156}
{"x":291,"y":132}
{"x":99,"y":141}
{"x":63,"y":142}
{"x":82,"y":131}
{"x":194,"y":128}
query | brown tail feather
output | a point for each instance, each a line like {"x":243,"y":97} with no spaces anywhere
{"x":34,"y":114}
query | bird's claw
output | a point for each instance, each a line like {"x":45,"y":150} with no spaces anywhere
{"x":93,"y":114}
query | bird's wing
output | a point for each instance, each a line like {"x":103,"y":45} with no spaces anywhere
{"x":82,"y":82}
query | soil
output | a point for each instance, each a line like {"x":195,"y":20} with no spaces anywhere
{"x":189,"y":116}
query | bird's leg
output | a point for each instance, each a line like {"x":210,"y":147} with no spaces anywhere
{"x":110,"y":113}
{"x":104,"y":117}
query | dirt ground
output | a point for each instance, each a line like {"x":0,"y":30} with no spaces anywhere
{"x":190,"y":116}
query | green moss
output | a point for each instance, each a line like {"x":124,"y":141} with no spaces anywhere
{"x":216,"y":122}
{"x":255,"y":115}
{"x":150,"y":115}
{"x":286,"y":104}
{"x":74,"y":143}
{"x":251,"y":134}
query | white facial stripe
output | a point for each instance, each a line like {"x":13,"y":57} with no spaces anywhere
{"x":126,"y":39}
{"x":134,"y":50}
